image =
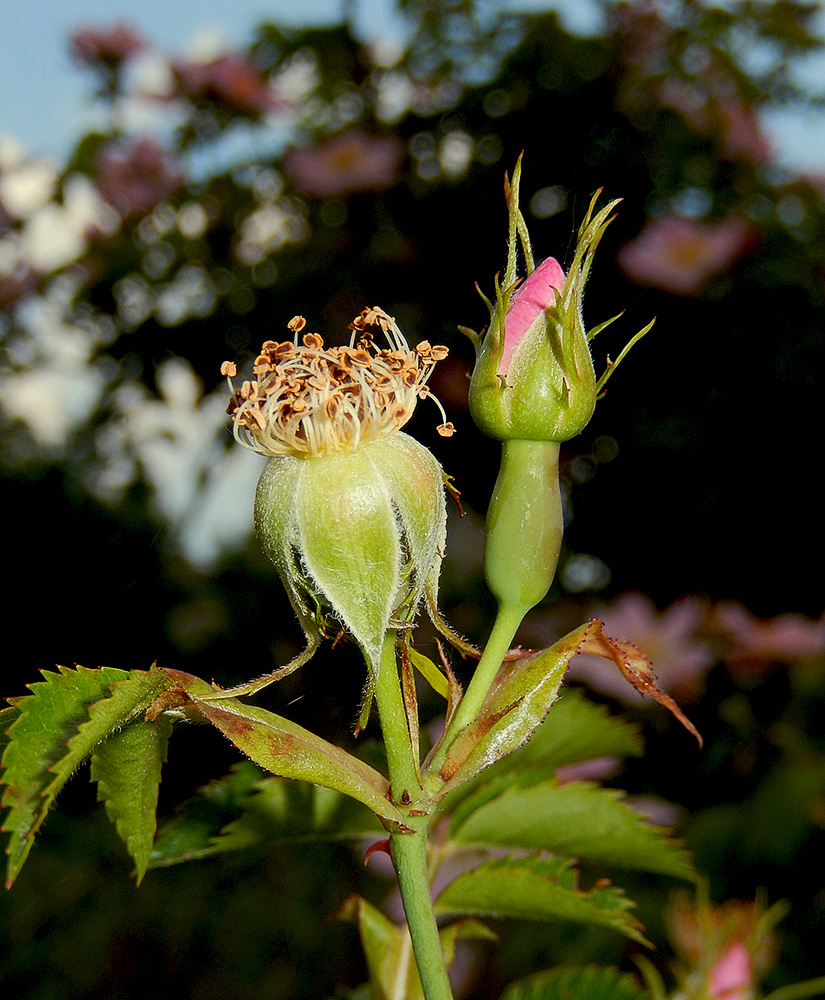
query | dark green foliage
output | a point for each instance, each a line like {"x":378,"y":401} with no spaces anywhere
{"x":60,"y":724}
{"x":576,"y":984}
{"x":246,"y":809}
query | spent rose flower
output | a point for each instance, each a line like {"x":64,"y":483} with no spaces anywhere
{"x":350,"y":510}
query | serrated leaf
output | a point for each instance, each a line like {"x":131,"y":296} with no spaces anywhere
{"x":590,"y":983}
{"x":287,"y":749}
{"x":127,"y":769}
{"x":537,"y":888}
{"x":56,"y":716}
{"x":7,"y":717}
{"x":246,"y":809}
{"x":578,"y":819}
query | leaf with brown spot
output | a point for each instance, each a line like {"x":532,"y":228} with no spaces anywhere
{"x":287,"y":749}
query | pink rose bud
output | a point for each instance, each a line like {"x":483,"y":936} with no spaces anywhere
{"x":732,"y":974}
{"x":530,"y":299}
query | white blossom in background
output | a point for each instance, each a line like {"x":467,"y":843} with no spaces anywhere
{"x":51,"y":386}
{"x":55,"y":235}
{"x":455,"y":153}
{"x":201,"y":490}
{"x":25,"y":185}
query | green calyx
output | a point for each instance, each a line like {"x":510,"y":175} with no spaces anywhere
{"x":536,"y":381}
{"x":355,"y":535}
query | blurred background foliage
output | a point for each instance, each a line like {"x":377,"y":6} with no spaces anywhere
{"x":313,"y":174}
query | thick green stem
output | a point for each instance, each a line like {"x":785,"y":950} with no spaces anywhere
{"x":524,"y":524}
{"x":409,"y":850}
{"x":409,"y":855}
{"x":504,"y":629}
{"x":521,"y":550}
{"x":403,"y":772}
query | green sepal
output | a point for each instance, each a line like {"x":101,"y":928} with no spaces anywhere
{"x":430,"y":672}
{"x":247,"y":809}
{"x":59,"y":724}
{"x":415,"y":481}
{"x":578,"y":819}
{"x":278,"y":535}
{"x":287,"y":749}
{"x":537,"y":888}
{"x":565,"y":983}
{"x":127,"y":770}
{"x":350,"y":542}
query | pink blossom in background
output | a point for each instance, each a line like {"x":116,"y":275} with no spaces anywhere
{"x":669,"y":639}
{"x":732,"y":974}
{"x":531,"y":297}
{"x":134,"y":177}
{"x":729,"y":119}
{"x":742,"y":134}
{"x":787,"y":637}
{"x":596,"y":769}
{"x":111,"y":46}
{"x":679,"y":255}
{"x":231,"y":79}
{"x":348,"y":162}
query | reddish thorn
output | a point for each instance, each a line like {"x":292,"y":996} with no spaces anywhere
{"x":379,"y":845}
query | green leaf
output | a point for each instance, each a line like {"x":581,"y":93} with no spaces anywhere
{"x":198,"y":822}
{"x":518,"y":701}
{"x":246,"y":809}
{"x":537,"y":888}
{"x":287,"y":749}
{"x":7,"y":717}
{"x":591,"y":983}
{"x":127,"y":771}
{"x":578,"y":819}
{"x":574,"y":730}
{"x":71,"y":709}
{"x":388,"y":949}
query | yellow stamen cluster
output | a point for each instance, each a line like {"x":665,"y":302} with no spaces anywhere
{"x":308,"y":400}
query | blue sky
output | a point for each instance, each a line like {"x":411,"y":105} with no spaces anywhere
{"x":45,"y":95}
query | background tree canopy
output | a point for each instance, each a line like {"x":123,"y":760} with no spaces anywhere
{"x":310,"y":174}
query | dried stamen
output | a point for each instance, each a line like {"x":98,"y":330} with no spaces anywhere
{"x":308,"y":399}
